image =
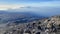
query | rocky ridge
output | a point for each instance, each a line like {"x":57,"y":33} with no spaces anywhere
{"x":45,"y":26}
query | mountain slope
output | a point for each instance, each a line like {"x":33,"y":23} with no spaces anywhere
{"x":6,"y":17}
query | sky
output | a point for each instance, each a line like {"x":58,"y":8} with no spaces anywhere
{"x":44,"y":7}
{"x":15,"y":4}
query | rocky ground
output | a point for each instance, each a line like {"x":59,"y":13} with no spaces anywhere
{"x":45,"y":26}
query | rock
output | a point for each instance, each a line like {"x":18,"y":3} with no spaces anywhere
{"x":45,"y":26}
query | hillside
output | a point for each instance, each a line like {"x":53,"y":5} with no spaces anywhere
{"x":6,"y":17}
{"x":49,"y":25}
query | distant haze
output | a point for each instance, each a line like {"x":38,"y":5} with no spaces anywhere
{"x":46,"y":11}
{"x":40,"y":7}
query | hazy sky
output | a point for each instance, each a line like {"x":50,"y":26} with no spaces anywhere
{"x":16,"y":4}
{"x":41,"y":7}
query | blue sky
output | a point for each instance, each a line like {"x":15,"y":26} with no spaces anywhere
{"x":36,"y":3}
{"x":25,"y":1}
{"x":51,"y":7}
{"x":15,"y":4}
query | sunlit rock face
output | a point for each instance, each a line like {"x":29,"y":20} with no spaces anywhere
{"x":53,"y":24}
{"x":53,"y":19}
{"x":56,"y":19}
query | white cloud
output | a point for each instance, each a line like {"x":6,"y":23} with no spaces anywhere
{"x":17,"y":6}
{"x":6,"y":7}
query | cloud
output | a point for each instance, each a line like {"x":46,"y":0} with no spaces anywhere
{"x":6,"y":7}
{"x":46,"y":11}
{"x":29,"y":5}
